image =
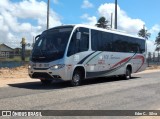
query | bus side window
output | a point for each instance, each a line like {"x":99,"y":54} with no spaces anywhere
{"x":79,"y":45}
{"x":71,"y":48}
{"x":84,"y":42}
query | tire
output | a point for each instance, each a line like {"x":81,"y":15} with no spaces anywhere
{"x":76,"y":78}
{"x":128,"y":74}
{"x":46,"y":82}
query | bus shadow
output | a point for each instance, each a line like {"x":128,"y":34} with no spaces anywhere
{"x":38,"y":86}
{"x":105,"y":80}
{"x":60,"y":85}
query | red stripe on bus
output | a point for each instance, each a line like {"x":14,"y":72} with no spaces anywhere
{"x":122,"y":61}
{"x":139,"y":57}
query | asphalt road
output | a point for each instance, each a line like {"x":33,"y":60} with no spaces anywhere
{"x":142,"y":92}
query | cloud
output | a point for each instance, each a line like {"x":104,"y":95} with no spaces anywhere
{"x":126,"y":23}
{"x":155,"y":28}
{"x":87,"y":4}
{"x":154,"y":31}
{"x":55,"y":1}
{"x":150,"y":46}
{"x":26,"y":18}
{"x":3,"y":26}
{"x":89,"y":20}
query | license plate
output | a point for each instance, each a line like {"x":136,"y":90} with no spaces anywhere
{"x":41,"y":65}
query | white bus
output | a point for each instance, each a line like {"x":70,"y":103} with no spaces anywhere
{"x":77,"y":52}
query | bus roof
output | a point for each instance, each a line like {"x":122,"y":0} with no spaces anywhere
{"x":115,"y":31}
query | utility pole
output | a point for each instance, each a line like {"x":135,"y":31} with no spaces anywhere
{"x":23,"y":42}
{"x":33,"y":42}
{"x":48,"y":4}
{"x":111,"y":19}
{"x":115,"y":26}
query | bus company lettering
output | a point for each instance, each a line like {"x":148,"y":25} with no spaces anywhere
{"x":110,"y":57}
{"x":114,"y":57}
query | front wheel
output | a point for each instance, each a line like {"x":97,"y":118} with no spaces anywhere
{"x":76,"y":79}
{"x":128,"y":74}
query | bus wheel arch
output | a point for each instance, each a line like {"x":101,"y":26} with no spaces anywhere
{"x":78,"y":76}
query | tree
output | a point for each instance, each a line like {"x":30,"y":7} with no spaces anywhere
{"x":154,"y":56}
{"x":149,"y":57}
{"x":157,"y":42}
{"x":23,"y":42}
{"x":102,"y":22}
{"x":144,"y":33}
{"x":158,"y":49}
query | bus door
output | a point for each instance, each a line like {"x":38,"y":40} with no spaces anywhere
{"x":79,"y":44}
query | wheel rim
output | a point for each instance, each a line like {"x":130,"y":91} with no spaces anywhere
{"x":76,"y":79}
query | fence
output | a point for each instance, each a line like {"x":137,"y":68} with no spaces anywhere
{"x":13,"y":61}
{"x":153,"y":58}
{"x":11,"y":64}
{"x":12,"y":57}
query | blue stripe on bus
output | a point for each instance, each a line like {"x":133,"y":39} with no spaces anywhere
{"x":81,"y":62}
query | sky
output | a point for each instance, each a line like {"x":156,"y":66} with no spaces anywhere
{"x":27,"y":18}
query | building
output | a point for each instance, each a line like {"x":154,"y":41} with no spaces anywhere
{"x":6,"y":51}
{"x":17,"y":51}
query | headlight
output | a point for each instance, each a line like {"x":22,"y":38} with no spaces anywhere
{"x":29,"y":67}
{"x":58,"y":66}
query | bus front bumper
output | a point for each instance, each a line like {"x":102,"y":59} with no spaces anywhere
{"x":57,"y":75}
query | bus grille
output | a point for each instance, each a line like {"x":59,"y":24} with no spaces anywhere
{"x":41,"y":75}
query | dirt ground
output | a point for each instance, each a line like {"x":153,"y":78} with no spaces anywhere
{"x":20,"y":75}
{"x":14,"y":75}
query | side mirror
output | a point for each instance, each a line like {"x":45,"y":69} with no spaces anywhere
{"x":37,"y":37}
{"x":78,"y":35}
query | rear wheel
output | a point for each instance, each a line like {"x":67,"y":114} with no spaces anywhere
{"x":77,"y":78}
{"x":46,"y":82}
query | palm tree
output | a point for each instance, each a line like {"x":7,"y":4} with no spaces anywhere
{"x":149,"y":57}
{"x":157,"y":42}
{"x":158,"y":49}
{"x":102,"y":22}
{"x":144,"y":33}
{"x":153,"y":56}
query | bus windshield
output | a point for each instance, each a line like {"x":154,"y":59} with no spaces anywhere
{"x":51,"y":44}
